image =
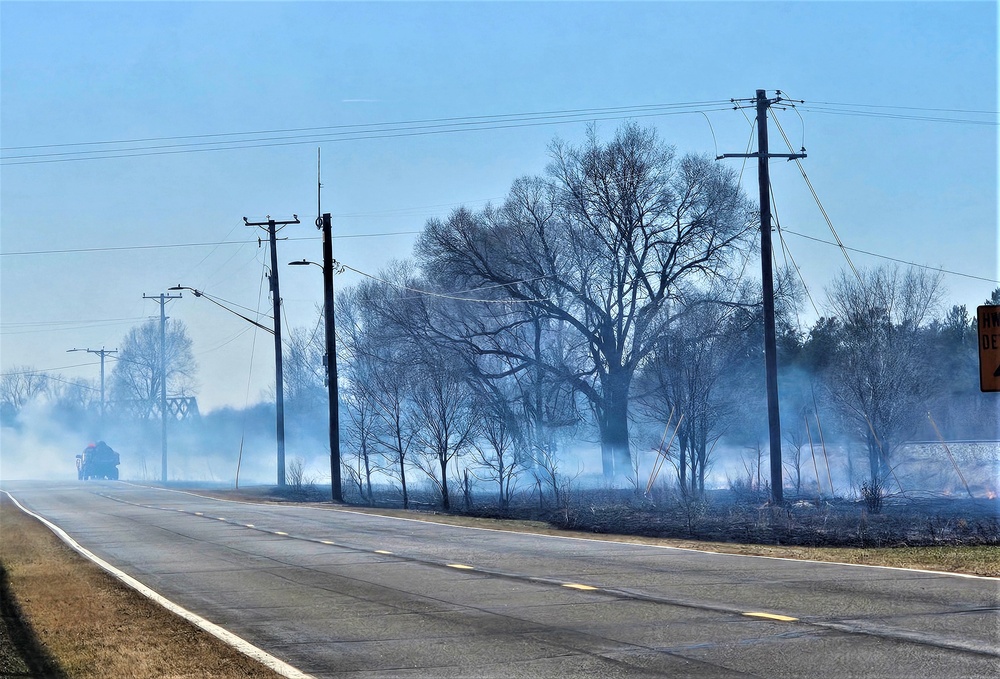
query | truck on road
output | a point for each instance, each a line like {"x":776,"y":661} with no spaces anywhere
{"x":97,"y":461}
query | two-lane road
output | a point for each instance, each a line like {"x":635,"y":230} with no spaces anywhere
{"x":340,"y":593}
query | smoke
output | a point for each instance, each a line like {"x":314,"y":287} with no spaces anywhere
{"x":36,"y":446}
{"x":41,"y":443}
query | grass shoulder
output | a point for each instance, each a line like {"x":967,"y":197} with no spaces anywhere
{"x":66,"y":617}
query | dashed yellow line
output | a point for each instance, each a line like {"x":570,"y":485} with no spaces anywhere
{"x":569,"y":585}
{"x":770,"y":616}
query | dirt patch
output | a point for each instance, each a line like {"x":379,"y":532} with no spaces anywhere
{"x":65,"y":617}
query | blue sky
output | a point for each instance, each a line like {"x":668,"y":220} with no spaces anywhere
{"x":72,"y":73}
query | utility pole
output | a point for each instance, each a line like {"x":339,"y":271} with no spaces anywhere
{"x":762,"y":104}
{"x":162,"y":298}
{"x":331,"y":357}
{"x":102,"y":352}
{"x":272,"y":229}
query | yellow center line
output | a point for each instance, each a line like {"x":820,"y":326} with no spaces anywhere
{"x":327,"y":542}
{"x":278,"y":532}
{"x":574,"y":585}
{"x":770,"y":616}
{"x":382,"y":551}
{"x":462,"y":566}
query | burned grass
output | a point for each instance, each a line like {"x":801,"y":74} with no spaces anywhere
{"x":65,"y":617}
{"x":957,"y":535}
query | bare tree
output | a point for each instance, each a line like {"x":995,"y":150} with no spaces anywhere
{"x":303,"y":371}
{"x":879,"y":375}
{"x":19,"y":386}
{"x":685,"y":376}
{"x":376,"y":373}
{"x":136,"y":375}
{"x":361,"y":431}
{"x":498,"y":447}
{"x":444,"y":418}
{"x":598,"y":248}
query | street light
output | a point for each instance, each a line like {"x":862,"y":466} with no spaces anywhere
{"x":331,"y":353}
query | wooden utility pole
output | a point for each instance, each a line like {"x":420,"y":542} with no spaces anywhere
{"x":762,"y":104}
{"x":162,"y":298}
{"x":271,"y":226}
{"x":331,"y":357}
{"x":102,"y":352}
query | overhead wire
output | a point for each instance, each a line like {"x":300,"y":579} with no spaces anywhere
{"x":898,"y":116}
{"x":894,"y":259}
{"x":905,"y":108}
{"x":819,"y":203}
{"x":453,"y":120}
{"x":43,"y":371}
{"x":508,"y":121}
{"x":786,"y":252}
{"x":165,"y":246}
{"x":455,"y":297}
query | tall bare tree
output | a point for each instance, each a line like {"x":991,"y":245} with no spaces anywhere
{"x":376,"y":372}
{"x":136,"y":375}
{"x":597,"y":247}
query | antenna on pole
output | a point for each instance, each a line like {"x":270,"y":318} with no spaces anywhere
{"x":319,"y":191}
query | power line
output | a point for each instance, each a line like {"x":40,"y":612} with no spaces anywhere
{"x":452,"y":120}
{"x":43,"y":371}
{"x":892,"y":259}
{"x":819,"y":203}
{"x":905,"y":108}
{"x":452,"y":296}
{"x":168,"y":246}
{"x":351,"y":132}
{"x":898,"y":116}
{"x":28,"y":327}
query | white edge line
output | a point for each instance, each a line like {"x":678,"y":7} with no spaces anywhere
{"x":617,"y":542}
{"x":241,"y":645}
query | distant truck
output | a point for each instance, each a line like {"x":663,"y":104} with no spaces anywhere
{"x":98,"y":461}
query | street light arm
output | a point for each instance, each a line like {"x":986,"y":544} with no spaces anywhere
{"x":199,"y":293}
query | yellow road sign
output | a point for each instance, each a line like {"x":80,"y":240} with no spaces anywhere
{"x":989,"y":348}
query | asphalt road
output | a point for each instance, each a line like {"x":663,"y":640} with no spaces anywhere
{"x":337,"y":593}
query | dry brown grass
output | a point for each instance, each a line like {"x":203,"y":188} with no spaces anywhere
{"x":95,"y":627}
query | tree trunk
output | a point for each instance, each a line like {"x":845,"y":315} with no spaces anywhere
{"x":402,"y":480}
{"x":682,"y":445}
{"x":445,"y":500}
{"x":616,"y":438}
